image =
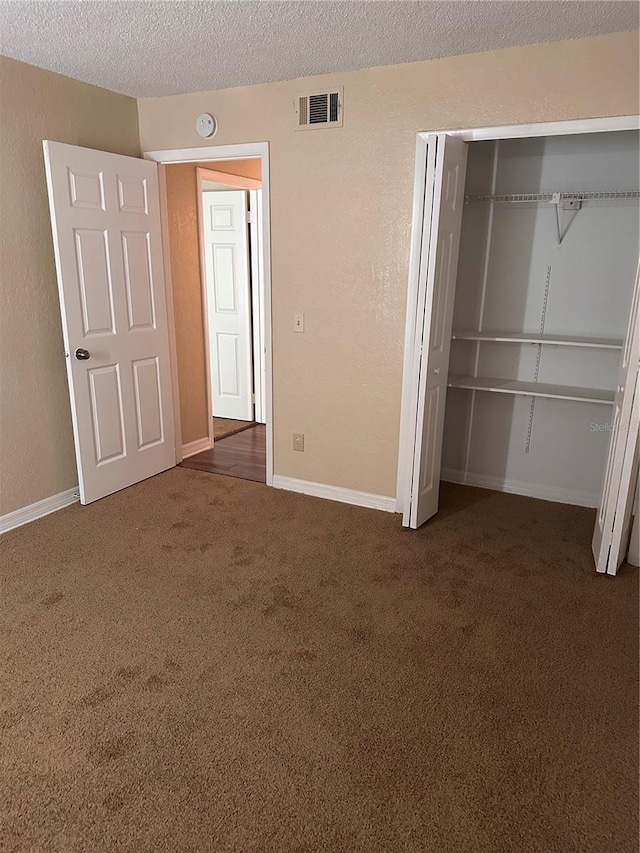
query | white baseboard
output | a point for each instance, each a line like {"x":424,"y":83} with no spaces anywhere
{"x":37,"y":510}
{"x":195,"y":447}
{"x":518,"y":487}
{"x":335,"y":493}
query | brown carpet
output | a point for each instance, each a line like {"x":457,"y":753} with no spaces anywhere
{"x":201,"y":663}
{"x":223,"y":427}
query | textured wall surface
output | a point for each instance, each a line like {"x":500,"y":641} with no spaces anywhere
{"x":36,"y":442}
{"x":187,"y":299}
{"x":341,"y":219}
{"x":250,"y":168}
{"x":187,"y":289}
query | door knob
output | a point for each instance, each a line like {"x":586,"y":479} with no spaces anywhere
{"x":82,"y":354}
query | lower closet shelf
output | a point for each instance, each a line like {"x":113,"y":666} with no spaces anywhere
{"x":532,"y":389}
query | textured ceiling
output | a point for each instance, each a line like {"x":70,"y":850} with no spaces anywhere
{"x":161,"y":48}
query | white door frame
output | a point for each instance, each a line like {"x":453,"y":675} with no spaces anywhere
{"x":256,"y":264}
{"x":254,"y":188}
{"x":210,"y":153}
{"x":205,"y":300}
{"x":421,"y":224}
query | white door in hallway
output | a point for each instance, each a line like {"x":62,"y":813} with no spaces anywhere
{"x":445,"y":178}
{"x":108,"y":248}
{"x":228,"y":287}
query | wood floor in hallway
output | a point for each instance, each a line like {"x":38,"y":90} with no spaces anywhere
{"x":243,"y":455}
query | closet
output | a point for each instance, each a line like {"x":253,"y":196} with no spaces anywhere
{"x":536,"y":316}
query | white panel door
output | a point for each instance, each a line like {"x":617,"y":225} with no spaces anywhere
{"x":226,"y":251}
{"x":612,"y":520}
{"x":105,"y":219}
{"x":433,"y":335}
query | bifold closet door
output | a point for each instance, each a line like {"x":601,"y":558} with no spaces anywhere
{"x":439,"y":265}
{"x":614,"y":513}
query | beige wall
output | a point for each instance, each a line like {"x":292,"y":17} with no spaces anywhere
{"x":36,"y":443}
{"x":249,"y":168}
{"x":341,"y":219}
{"x":187,"y":290}
{"x":187,"y":299}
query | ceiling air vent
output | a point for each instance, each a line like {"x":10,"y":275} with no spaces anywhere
{"x":319,"y":109}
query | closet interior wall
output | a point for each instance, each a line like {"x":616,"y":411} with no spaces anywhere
{"x":534,"y":268}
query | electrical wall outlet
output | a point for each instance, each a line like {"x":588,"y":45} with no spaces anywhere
{"x":298,"y":322}
{"x":298,"y":441}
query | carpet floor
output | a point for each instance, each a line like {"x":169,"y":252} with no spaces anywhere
{"x":223,"y":427}
{"x":200,"y":663}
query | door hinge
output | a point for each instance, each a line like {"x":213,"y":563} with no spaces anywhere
{"x":249,"y":217}
{"x":253,"y":398}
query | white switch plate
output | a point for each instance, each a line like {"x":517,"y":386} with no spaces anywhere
{"x":298,"y":322}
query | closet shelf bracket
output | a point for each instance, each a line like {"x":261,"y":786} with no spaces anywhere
{"x":562,"y":203}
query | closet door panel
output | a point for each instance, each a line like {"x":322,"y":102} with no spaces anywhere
{"x":440,"y":284}
{"x":622,"y":461}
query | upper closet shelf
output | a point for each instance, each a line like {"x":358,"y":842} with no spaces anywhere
{"x":554,"y":197}
{"x":526,"y":338}
{"x":532,"y":389}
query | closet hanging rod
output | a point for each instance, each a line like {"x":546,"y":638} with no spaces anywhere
{"x":524,"y":198}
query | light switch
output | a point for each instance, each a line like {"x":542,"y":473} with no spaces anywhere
{"x":298,"y":322}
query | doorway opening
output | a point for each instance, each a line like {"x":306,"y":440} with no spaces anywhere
{"x":215,"y":218}
{"x":229,"y":237}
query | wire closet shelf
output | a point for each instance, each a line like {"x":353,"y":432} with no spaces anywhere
{"x":554,"y":197}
